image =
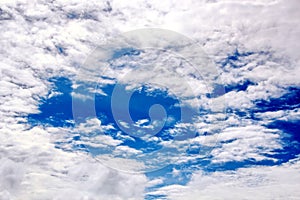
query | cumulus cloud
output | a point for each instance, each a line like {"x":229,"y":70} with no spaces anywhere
{"x":32,"y":168}
{"x":12,"y":174}
{"x":277,"y":182}
{"x":255,"y":41}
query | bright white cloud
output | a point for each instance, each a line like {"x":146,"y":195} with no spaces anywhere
{"x":277,"y":182}
{"x":40,"y":40}
{"x":32,"y":168}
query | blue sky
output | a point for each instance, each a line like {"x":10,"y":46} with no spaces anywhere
{"x":57,"y":111}
{"x":150,"y":100}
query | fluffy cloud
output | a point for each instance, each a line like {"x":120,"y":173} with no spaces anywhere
{"x":32,"y":168}
{"x":256,"y":41}
{"x":277,"y":182}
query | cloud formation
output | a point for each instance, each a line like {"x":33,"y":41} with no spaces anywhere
{"x":254,"y":45}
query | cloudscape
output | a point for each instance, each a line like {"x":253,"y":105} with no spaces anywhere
{"x":166,"y":100}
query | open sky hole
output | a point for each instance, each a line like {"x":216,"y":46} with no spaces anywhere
{"x":290,"y":100}
{"x":126,"y":52}
{"x":56,"y":108}
{"x":141,"y":101}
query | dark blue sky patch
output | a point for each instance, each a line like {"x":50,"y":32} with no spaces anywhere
{"x":236,"y":55}
{"x":290,"y":139}
{"x":233,"y":59}
{"x":139,"y":106}
{"x":155,"y":197}
{"x":242,"y":86}
{"x":239,"y":59}
{"x":142,"y":145}
{"x":234,"y":165}
{"x":141,"y":102}
{"x":126,"y":52}
{"x":207,"y":165}
{"x":290,"y":127}
{"x":61,"y":50}
{"x":242,"y":113}
{"x":288,"y":101}
{"x":288,"y":152}
{"x":56,"y":110}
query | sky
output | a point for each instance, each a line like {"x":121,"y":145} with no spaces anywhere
{"x":149,"y":99}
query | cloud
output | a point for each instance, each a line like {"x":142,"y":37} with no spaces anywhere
{"x":275,"y":182}
{"x":255,"y":41}
{"x":12,"y":174}
{"x":38,"y":166}
{"x":242,"y":143}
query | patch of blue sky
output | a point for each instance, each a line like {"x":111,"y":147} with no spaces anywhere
{"x":125,"y":52}
{"x":55,"y":110}
{"x":234,"y":165}
{"x":234,"y":58}
{"x":61,"y":50}
{"x":290,"y":139}
{"x":139,"y":105}
{"x":290,"y":128}
{"x":155,"y":197}
{"x":242,"y":86}
{"x":238,"y":58}
{"x":289,"y":100}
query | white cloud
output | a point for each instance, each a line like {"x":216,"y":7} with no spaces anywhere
{"x":32,"y":168}
{"x":125,"y":150}
{"x":155,"y":182}
{"x":277,"y":182}
{"x":11,"y":176}
{"x":33,"y":31}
